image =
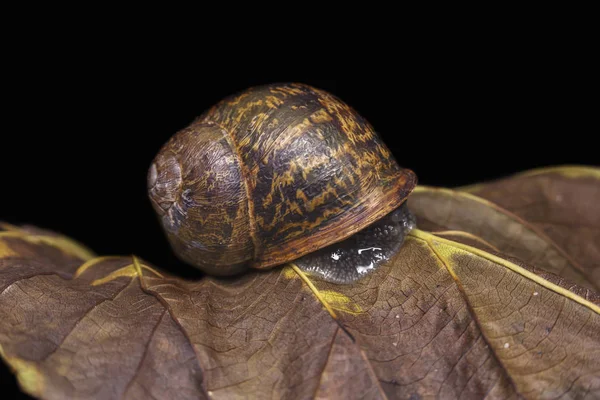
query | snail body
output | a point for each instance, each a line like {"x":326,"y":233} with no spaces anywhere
{"x":270,"y":175}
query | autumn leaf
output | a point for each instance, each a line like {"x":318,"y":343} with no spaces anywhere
{"x":486,"y":300}
{"x":549,"y":218}
{"x":561,"y":202}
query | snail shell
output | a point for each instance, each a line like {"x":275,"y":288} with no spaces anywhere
{"x":270,"y":175}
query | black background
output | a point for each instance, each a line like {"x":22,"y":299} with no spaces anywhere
{"x":81,"y":127}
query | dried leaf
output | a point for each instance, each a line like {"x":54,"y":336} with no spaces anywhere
{"x":473,"y":220}
{"x":563,"y":203}
{"x":460,"y":314}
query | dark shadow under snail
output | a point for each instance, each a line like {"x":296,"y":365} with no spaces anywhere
{"x":281,"y":173}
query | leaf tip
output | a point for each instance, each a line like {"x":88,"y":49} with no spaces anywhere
{"x":28,"y":375}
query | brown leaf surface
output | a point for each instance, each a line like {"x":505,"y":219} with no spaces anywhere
{"x":562,"y":202}
{"x":547,"y":218}
{"x":451,"y":316}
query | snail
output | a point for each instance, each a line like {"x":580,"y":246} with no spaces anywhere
{"x":281,"y":173}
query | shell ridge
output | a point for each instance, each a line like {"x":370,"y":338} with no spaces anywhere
{"x":245,"y":173}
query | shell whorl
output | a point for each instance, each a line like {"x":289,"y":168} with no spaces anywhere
{"x":272,"y":174}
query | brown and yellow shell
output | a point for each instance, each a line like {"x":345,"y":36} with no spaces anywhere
{"x":271,"y":174}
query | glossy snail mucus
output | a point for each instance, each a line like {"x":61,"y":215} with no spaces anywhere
{"x":278,"y":173}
